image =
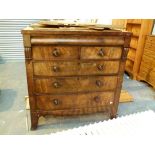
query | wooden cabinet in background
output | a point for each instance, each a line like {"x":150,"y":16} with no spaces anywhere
{"x":147,"y":67}
{"x":140,"y":28}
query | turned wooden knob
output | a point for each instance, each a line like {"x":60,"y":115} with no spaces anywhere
{"x":56,"y":69}
{"x":56,"y":53}
{"x":97,"y":99}
{"x":100,"y":67}
{"x":99,"y":83}
{"x":100,"y":53}
{"x":56,"y":85}
{"x":56,"y":101}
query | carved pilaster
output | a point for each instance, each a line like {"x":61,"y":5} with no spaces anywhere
{"x":28,"y":53}
{"x":124,"y":53}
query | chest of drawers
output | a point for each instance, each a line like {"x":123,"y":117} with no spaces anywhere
{"x":74,"y":71}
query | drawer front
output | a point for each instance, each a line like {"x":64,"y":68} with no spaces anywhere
{"x":97,"y":83}
{"x":57,"y":102}
{"x":99,"y":68}
{"x":76,"y":84}
{"x":75,"y":68}
{"x":101,"y":52}
{"x":56,"y":68}
{"x":54,"y":52}
{"x":56,"y":85}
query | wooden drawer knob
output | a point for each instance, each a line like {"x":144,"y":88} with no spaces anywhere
{"x":56,"y":102}
{"x":99,"y":83}
{"x":56,"y":53}
{"x":56,"y":69}
{"x":56,"y":85}
{"x":97,"y":99}
{"x":100,"y":67}
{"x":100,"y":53}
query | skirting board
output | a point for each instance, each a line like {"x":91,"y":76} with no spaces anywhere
{"x":125,"y":97}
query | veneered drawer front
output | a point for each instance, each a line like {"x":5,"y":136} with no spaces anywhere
{"x":54,"y":68}
{"x":75,"y":84}
{"x":57,"y":102}
{"x":82,"y":40}
{"x":54,"y":52}
{"x":101,"y":52}
{"x":56,"y":85}
{"x":97,"y":83}
{"x":76,"y":68}
{"x":99,"y":68}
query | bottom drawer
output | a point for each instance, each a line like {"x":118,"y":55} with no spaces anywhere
{"x":60,"y":102}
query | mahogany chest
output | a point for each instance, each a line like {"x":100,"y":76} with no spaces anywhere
{"x":73,"y":71}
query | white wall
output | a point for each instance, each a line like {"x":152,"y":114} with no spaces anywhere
{"x":105,"y":21}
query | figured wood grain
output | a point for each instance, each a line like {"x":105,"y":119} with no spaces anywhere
{"x":47,"y":52}
{"x":78,"y":40}
{"x":74,"y":101}
{"x":75,"y":84}
{"x":66,"y":68}
{"x":77,"y":111}
{"x":109,"y":67}
{"x":96,"y":53}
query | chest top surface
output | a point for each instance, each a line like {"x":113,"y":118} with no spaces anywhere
{"x":84,"y":30}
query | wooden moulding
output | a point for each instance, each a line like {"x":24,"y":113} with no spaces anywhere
{"x":28,"y":53}
{"x":82,"y":40}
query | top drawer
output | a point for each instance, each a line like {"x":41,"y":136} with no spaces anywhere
{"x":72,"y":52}
{"x":54,"y":52}
{"x":101,"y":52}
